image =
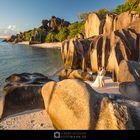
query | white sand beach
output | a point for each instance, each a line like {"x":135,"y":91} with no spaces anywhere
{"x":43,"y":45}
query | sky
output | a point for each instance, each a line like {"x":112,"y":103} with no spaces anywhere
{"x":23,"y":15}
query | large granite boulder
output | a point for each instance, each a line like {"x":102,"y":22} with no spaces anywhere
{"x":75,"y":54}
{"x":74,"y":105}
{"x":22,"y":92}
{"x":56,"y":23}
{"x":96,"y":25}
{"x":120,"y":23}
{"x":45,"y":25}
{"x":93,"y":25}
{"x":129,"y":79}
{"x":135,"y":25}
{"x":131,"y":40}
{"x":75,"y":74}
{"x":108,"y":51}
{"x":2,"y":100}
{"x":109,"y":24}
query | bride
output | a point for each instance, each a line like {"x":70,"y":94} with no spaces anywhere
{"x":99,"y":82}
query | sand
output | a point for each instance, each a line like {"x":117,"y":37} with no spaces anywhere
{"x":29,"y":120}
{"x":110,"y":87}
{"x":43,"y":45}
{"x":39,"y":119}
{"x":23,"y":43}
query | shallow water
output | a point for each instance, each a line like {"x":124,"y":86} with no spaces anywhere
{"x":22,"y":58}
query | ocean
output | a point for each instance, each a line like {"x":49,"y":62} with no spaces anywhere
{"x":16,"y":58}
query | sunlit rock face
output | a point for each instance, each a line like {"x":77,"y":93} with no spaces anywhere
{"x":110,"y":40}
{"x":74,"y":105}
{"x":93,"y":25}
{"x":75,"y":54}
{"x":102,"y":51}
{"x":129,"y":79}
{"x":129,"y":17}
{"x":96,"y":25}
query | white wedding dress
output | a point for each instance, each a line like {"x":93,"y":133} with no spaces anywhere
{"x":96,"y":82}
{"x":99,"y":82}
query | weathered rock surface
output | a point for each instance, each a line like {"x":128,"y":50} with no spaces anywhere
{"x":135,"y":25}
{"x":93,"y":25}
{"x":105,"y":50}
{"x":131,"y":40}
{"x":56,"y":23}
{"x":120,"y":23}
{"x":108,"y":51}
{"x":22,"y":92}
{"x":129,"y":79}
{"x":75,"y":74}
{"x":101,"y":51}
{"x":2,"y":100}
{"x":109,"y":24}
{"x":75,"y":54}
{"x":74,"y":105}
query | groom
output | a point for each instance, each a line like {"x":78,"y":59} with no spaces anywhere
{"x":102,"y":81}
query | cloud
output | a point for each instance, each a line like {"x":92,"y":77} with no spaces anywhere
{"x":12,"y":27}
{"x":10,"y":30}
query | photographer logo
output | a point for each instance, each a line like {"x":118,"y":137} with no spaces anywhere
{"x":57,"y":135}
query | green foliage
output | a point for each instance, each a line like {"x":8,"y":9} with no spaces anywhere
{"x":130,"y":5}
{"x":120,"y":9}
{"x":27,"y":35}
{"x":66,"y":32}
{"x":51,"y":37}
{"x":63,"y":34}
{"x":76,"y":28}
{"x":102,"y":11}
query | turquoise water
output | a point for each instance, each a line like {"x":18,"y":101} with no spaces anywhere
{"x":21,"y":58}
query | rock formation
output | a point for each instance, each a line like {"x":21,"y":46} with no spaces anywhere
{"x":108,"y":51}
{"x":11,"y":39}
{"x":56,"y":23}
{"x":129,"y":79}
{"x":75,"y":54}
{"x":112,"y":40}
{"x":74,"y":105}
{"x":129,"y":17}
{"x":93,"y":25}
{"x":22,"y":92}
{"x":109,"y":24}
{"x":135,"y":26}
{"x":75,"y":74}
{"x":96,"y":25}
{"x":102,"y":51}
{"x":37,"y":35}
{"x":45,"y":25}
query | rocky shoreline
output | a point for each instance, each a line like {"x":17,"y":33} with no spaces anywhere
{"x":33,"y":116}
